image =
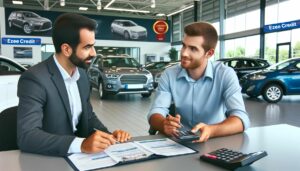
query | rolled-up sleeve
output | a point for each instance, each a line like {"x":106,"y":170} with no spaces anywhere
{"x":233,"y":99}
{"x":162,"y":98}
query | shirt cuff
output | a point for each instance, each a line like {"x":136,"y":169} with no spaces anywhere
{"x":75,"y":146}
{"x":243,"y":116}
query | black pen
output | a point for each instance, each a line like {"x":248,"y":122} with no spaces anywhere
{"x":182,"y":126}
{"x":117,"y":142}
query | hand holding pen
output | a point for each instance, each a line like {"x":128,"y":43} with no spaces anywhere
{"x":172,"y":124}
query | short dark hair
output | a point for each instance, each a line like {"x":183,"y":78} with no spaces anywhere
{"x":206,"y":30}
{"x":66,"y":29}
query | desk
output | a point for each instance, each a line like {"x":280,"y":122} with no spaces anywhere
{"x":282,"y":143}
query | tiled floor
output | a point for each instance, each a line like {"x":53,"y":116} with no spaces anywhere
{"x":129,"y":112}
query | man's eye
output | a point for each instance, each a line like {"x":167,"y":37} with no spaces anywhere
{"x":193,"y":49}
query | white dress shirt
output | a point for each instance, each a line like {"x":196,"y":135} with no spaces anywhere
{"x":75,"y":103}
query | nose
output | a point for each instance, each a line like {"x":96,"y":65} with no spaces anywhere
{"x":93,"y":52}
{"x":184,"y":51}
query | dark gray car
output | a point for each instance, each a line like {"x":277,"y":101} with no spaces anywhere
{"x":119,"y":75}
{"x":29,"y":21}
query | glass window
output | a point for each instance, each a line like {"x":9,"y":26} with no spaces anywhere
{"x":7,"y":68}
{"x":242,"y":47}
{"x":281,"y":10}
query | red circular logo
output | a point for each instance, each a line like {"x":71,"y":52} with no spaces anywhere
{"x":160,"y":27}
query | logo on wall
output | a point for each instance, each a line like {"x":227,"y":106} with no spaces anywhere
{"x":160,"y":27}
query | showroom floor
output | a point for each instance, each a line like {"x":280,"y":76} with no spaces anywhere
{"x":129,"y":112}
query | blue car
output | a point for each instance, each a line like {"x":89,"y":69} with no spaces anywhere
{"x":273,"y":82}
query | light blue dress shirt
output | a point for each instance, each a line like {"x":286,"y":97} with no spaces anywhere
{"x":210,"y":99}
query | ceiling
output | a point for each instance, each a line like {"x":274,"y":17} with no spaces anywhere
{"x":161,"y":6}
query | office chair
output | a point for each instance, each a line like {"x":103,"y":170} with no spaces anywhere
{"x":172,"y":109}
{"x":8,"y":129}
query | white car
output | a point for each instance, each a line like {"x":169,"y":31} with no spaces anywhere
{"x":10,"y":72}
{"x":128,"y":29}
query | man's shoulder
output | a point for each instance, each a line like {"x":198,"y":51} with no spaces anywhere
{"x":173,"y":70}
{"x":38,"y":70}
{"x":220,"y":68}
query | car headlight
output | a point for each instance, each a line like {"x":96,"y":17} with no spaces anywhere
{"x":112,"y":75}
{"x":257,"y":77}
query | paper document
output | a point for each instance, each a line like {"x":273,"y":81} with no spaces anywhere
{"x":128,"y":152}
{"x":165,"y":147}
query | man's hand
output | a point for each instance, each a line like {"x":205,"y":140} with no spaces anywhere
{"x":205,"y":131}
{"x":171,"y":125}
{"x":97,"y":142}
{"x":121,"y":135}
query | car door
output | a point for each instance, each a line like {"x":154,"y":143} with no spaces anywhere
{"x":292,"y":78}
{"x":9,"y":77}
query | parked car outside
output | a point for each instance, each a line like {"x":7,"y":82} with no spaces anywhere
{"x":128,"y":29}
{"x":10,"y":72}
{"x":29,"y":21}
{"x":273,"y":82}
{"x":119,"y":74}
{"x":242,"y":65}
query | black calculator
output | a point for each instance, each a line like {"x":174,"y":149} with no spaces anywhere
{"x":187,"y":135}
{"x":231,"y":159}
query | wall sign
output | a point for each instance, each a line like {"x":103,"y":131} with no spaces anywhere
{"x":21,"y":41}
{"x":282,"y":26}
{"x":160,"y":27}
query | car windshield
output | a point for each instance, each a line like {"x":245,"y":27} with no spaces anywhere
{"x":281,"y":65}
{"x":31,"y":15}
{"x":129,"y":24}
{"x":120,"y":62}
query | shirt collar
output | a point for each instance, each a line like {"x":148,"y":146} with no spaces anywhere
{"x":208,"y":72}
{"x":64,"y":73}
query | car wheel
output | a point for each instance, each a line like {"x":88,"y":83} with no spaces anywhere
{"x":102,"y":92}
{"x":27,"y":29}
{"x":145,"y":95}
{"x":9,"y":24}
{"x":126,"y":35}
{"x":273,"y":93}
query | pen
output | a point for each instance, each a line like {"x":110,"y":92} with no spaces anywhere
{"x":182,"y":126}
{"x":117,"y":142}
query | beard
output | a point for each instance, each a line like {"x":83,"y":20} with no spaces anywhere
{"x":190,"y":64}
{"x":82,"y":63}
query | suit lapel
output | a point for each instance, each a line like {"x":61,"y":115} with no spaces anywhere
{"x":82,"y":125}
{"x":60,"y":85}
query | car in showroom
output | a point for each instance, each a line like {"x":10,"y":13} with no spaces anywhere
{"x":243,"y":65}
{"x":157,"y":75}
{"x":29,"y":22}
{"x":10,"y":72}
{"x":273,"y":82}
{"x":128,"y":29}
{"x":119,"y":74}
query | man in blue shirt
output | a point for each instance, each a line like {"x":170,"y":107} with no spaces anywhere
{"x":207,"y":95}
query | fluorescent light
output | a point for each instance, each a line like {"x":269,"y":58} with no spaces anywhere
{"x":62,"y":3}
{"x":180,"y":10}
{"x":160,"y":15}
{"x":83,"y":8}
{"x":152,"y":4}
{"x":128,"y":10}
{"x":122,"y":9}
{"x":99,"y":5}
{"x":17,"y":2}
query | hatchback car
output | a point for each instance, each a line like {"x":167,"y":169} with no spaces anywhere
{"x":119,"y":75}
{"x":274,"y":82}
{"x":244,"y":65}
{"x":128,"y":29}
{"x":10,"y":72}
{"x":29,"y":21}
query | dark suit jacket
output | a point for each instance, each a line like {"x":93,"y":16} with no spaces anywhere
{"x":44,"y":116}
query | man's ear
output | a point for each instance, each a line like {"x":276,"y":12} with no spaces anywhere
{"x":210,"y":53}
{"x":66,"y":49}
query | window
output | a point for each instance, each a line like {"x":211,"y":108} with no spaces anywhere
{"x":7,"y":68}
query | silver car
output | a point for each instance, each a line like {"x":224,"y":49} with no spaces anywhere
{"x":128,"y":29}
{"x":119,"y":75}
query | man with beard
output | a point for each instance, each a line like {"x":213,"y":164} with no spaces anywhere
{"x":55,"y":116}
{"x":207,"y":95}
